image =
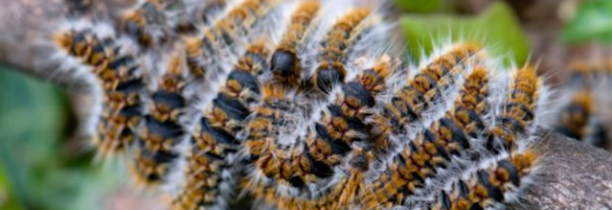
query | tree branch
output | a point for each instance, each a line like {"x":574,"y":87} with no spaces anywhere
{"x":575,"y":175}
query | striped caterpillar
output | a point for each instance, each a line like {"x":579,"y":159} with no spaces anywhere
{"x":303,"y":104}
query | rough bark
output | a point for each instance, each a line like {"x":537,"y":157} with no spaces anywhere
{"x":575,"y":175}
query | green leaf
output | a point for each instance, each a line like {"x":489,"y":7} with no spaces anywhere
{"x":419,"y":6}
{"x":33,"y":121}
{"x":593,"y":22}
{"x":8,"y":200}
{"x":496,"y":28}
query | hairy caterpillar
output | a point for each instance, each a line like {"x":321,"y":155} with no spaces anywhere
{"x":147,"y":23}
{"x":490,"y":184}
{"x":422,"y":91}
{"x":332,"y":55}
{"x":303,"y":104}
{"x":214,"y":138}
{"x":518,"y":111}
{"x":121,"y":79}
{"x":433,"y":148}
{"x":581,"y":104}
{"x":163,"y":127}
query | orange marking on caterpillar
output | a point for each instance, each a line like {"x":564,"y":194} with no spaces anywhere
{"x":115,"y":129}
{"x":87,"y":46}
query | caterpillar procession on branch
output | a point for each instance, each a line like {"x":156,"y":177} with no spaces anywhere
{"x":305,"y":104}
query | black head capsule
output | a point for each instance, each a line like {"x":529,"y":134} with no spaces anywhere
{"x":284,"y":66}
{"x":328,"y":76}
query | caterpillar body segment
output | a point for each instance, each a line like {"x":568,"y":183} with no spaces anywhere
{"x":124,"y":103}
{"x":184,"y":17}
{"x":518,"y":111}
{"x":333,"y":51}
{"x":343,"y":194}
{"x":343,"y":121}
{"x":285,"y":63}
{"x":147,"y":23}
{"x":120,"y":77}
{"x":226,"y":34}
{"x":214,"y":143}
{"x":426,"y":90}
{"x":206,"y":165}
{"x":211,"y":9}
{"x":581,"y":112}
{"x":86,"y":45}
{"x":574,"y":118}
{"x":164,"y":127}
{"x":472,"y":103}
{"x":352,"y":184}
{"x":264,"y":144}
{"x":491,"y":186}
{"x":116,"y":129}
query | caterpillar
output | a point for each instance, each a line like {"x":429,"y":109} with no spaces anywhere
{"x":214,"y":40}
{"x":433,"y":148}
{"x":147,"y":23}
{"x":332,"y":55}
{"x":303,"y":104}
{"x":121,"y":79}
{"x":518,"y":112}
{"x":214,"y":139}
{"x":575,"y":116}
{"x":164,"y":127}
{"x":290,"y":163}
{"x":285,"y":63}
{"x":312,"y":165}
{"x":580,"y":103}
{"x":491,"y":185}
{"x":423,"y":91}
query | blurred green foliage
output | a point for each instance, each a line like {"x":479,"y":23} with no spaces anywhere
{"x":593,"y":22}
{"x":35,"y":174}
{"x":419,"y":6}
{"x":497,"y":28}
